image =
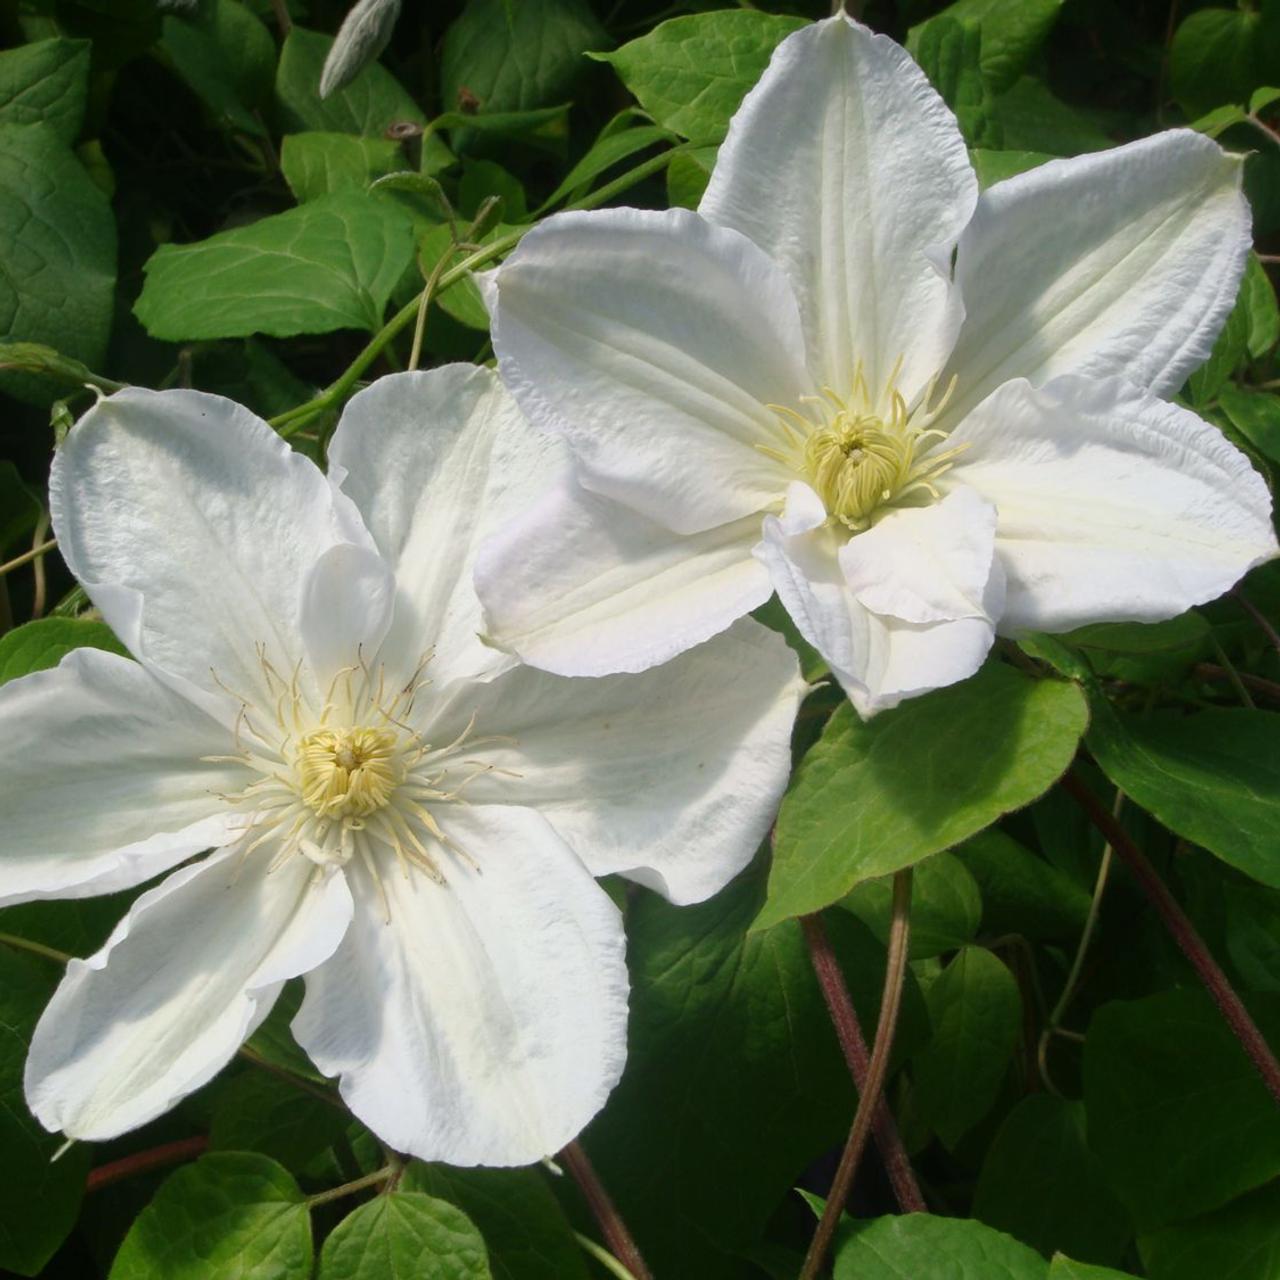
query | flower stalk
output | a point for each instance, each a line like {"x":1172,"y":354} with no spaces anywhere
{"x":844,"y":1018}
{"x":1184,"y":933}
{"x":619,"y":1238}
{"x":877,"y":1070}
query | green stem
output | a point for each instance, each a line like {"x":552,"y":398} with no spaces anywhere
{"x":337,"y":392}
{"x":36,"y":948}
{"x":28,"y":556}
{"x":602,"y":1256}
{"x":350,"y":1188}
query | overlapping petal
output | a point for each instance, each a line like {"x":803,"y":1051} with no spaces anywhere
{"x":482,"y":1021}
{"x":671,"y":777}
{"x":847,"y":168}
{"x":1113,"y":505}
{"x":879,"y":659}
{"x":194,"y":527}
{"x":102,"y":784}
{"x":1125,"y":263}
{"x":185,"y":978}
{"x":582,"y":586}
{"x":434,"y":462}
{"x":653,"y":342}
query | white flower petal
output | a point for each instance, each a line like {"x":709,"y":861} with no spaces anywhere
{"x":347,"y":603}
{"x":846,"y":167}
{"x":182,"y":982}
{"x":654,"y":342}
{"x":928,"y":564}
{"x":101,"y":781}
{"x":671,"y":777}
{"x":482,"y":1021}
{"x":435,"y":461}
{"x":1112,"y":505}
{"x":193,"y":527}
{"x":1124,"y":262}
{"x":583,"y":586}
{"x":878,"y":659}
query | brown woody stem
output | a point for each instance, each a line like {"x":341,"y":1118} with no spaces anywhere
{"x":844,"y":1018}
{"x":605,"y":1212}
{"x":1184,"y":933}
{"x":877,"y":1070}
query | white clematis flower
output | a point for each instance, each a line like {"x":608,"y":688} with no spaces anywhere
{"x":397,"y":812}
{"x":795,"y":389}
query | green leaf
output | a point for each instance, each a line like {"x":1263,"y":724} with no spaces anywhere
{"x":1028,"y":117}
{"x":1253,"y":934}
{"x":875,"y":796}
{"x":462,"y":299}
{"x":1021,"y":892}
{"x":510,"y":57}
{"x":255,"y":1111}
{"x":1065,"y":1269}
{"x":604,"y":153}
{"x":318,"y":164}
{"x":950,"y":54}
{"x":733,"y":1066}
{"x":1256,"y":415}
{"x":59,"y":239}
{"x":46,"y":83}
{"x":976,"y":1011}
{"x":1177,"y":1113}
{"x":691,"y":73}
{"x":229,"y":1216}
{"x":330,"y":264}
{"x":945,"y":906}
{"x":38,"y":645}
{"x":1213,"y":59}
{"x":523,"y":1225}
{"x":39,"y":1197}
{"x":996,"y":166}
{"x":1011,"y":33}
{"x":1228,"y":353}
{"x":1240,"y":1241}
{"x":19,"y":511}
{"x":404,"y":1235}
{"x":274,"y":1042}
{"x":1219,"y":120}
{"x":1212,"y":777}
{"x":371,"y":103}
{"x":911,"y":1248}
{"x":228,"y":59}
{"x":1042,"y":1184}
{"x":484,"y":179}
{"x":1258,"y":298}
{"x":44,"y":361}
{"x":1144,"y":652}
{"x":688,"y":175}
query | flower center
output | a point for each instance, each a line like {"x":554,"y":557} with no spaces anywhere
{"x":863,"y":452}
{"x":348,"y":772}
{"x":346,"y":775}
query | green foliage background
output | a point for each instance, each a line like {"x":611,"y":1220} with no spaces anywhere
{"x":178,"y":207}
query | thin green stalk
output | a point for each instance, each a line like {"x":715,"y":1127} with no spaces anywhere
{"x":350,"y":1188}
{"x":602,"y":1256}
{"x":28,"y":556}
{"x":336,"y":393}
{"x":36,"y":948}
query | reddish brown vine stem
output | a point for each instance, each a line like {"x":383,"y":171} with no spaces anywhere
{"x":616,"y":1235}
{"x":1184,"y":933}
{"x":144,"y":1161}
{"x":844,"y":1018}
{"x":877,"y":1070}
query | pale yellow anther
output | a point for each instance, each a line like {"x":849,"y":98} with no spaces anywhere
{"x":863,"y":452}
{"x":346,"y":773}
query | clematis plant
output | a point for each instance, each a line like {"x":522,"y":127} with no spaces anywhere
{"x":396,"y":811}
{"x":921,"y":415}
